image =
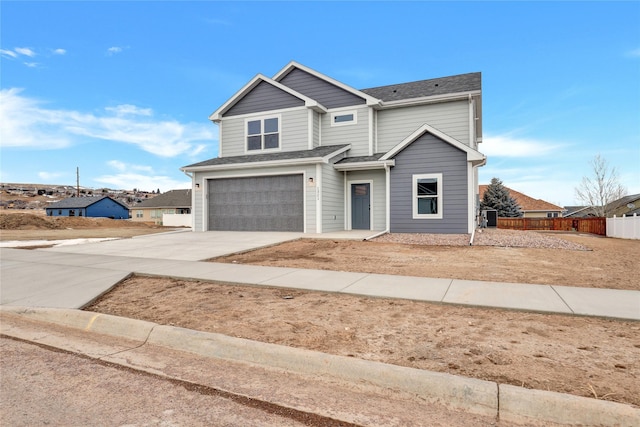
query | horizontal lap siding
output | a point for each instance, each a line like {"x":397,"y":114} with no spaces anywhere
{"x":294,"y":133}
{"x":332,"y":199}
{"x":395,"y":125}
{"x":356,"y":134}
{"x":426,"y":155}
{"x":327,"y":94}
{"x":378,"y":192}
{"x":264,"y":97}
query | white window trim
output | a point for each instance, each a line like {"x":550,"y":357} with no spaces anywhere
{"x":262,"y":119}
{"x":414,"y":196}
{"x":344,"y":113}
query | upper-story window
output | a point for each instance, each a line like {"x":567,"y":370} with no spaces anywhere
{"x":344,"y":118}
{"x":263,"y":133}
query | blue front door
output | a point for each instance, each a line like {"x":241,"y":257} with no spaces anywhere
{"x":360,"y":207}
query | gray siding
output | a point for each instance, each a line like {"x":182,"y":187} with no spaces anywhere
{"x":332,"y":199}
{"x":264,"y":97}
{"x":395,"y":125}
{"x":322,"y":91}
{"x":428,"y":154}
{"x":293,"y":133}
{"x":356,"y":134}
{"x":378,"y":194}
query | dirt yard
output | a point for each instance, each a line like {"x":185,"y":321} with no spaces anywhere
{"x":583,"y":356}
{"x":35,"y":225}
{"x":578,"y":355}
{"x":498,"y":255}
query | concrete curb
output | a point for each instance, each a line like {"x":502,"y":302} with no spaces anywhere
{"x":522,"y":405}
{"x":509,"y":403}
{"x":467,"y":394}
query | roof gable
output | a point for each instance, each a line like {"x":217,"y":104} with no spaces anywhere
{"x":293,"y":74}
{"x":256,"y":82}
{"x":472,"y":155}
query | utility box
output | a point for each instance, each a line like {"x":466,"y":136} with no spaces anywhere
{"x":490,"y":218}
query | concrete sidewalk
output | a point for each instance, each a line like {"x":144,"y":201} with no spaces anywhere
{"x":53,"y":278}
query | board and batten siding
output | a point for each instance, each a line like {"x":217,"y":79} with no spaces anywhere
{"x":378,"y":194}
{"x":332,"y":187}
{"x":355,"y":134}
{"x":294,"y":133}
{"x":264,"y":97}
{"x":200,"y":206}
{"x":327,"y":94}
{"x":429,"y":154}
{"x":396,"y":124}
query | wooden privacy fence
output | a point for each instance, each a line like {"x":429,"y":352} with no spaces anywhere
{"x":583,"y":225}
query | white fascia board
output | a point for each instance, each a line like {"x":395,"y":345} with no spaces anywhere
{"x":268,"y":163}
{"x":428,"y":99}
{"x":308,"y":102}
{"x":254,"y":165}
{"x":364,"y":165}
{"x":371,"y":101}
{"x":472,"y":155}
{"x":330,"y":156}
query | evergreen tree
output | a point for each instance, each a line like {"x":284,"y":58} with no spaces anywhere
{"x":497,"y":197}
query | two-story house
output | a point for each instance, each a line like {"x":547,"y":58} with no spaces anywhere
{"x":304,"y":152}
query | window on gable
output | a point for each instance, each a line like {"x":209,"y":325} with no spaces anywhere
{"x":344,"y":118}
{"x":427,"y":196}
{"x":263,"y":134}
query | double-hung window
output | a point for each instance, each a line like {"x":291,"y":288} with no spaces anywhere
{"x":427,"y":196}
{"x":263,"y":133}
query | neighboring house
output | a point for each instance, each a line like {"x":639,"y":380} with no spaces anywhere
{"x":627,"y":205}
{"x":579,"y":212}
{"x":304,"y":152}
{"x":530,"y":207}
{"x":172,"y":202}
{"x":99,"y":206}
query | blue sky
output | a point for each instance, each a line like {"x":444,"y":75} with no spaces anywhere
{"x":123,"y":90}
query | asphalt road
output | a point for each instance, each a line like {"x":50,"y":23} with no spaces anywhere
{"x":40,"y":386}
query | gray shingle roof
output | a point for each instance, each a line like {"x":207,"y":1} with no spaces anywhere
{"x":170,"y":199}
{"x":80,"y":202}
{"x":440,"y":86}
{"x":360,"y":159}
{"x":284,"y":155}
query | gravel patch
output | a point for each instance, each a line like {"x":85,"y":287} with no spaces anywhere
{"x":485,"y":237}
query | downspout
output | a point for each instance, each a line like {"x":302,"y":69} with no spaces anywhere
{"x":476,"y":207}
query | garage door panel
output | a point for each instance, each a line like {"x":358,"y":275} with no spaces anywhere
{"x":269,"y":203}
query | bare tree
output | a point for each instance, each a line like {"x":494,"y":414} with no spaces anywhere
{"x":601,"y":188}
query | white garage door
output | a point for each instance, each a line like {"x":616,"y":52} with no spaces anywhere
{"x":264,"y":203}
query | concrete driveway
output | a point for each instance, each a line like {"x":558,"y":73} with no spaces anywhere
{"x":182,"y":245}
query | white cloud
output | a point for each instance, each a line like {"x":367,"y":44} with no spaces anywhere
{"x":31,"y":64}
{"x":9,"y":53}
{"x":507,"y":146}
{"x":49,"y":176}
{"x":27,"y":123}
{"x":635,"y":53}
{"x":114,"y":50}
{"x":128,"y":109}
{"x":144,"y":182}
{"x":25,"y":51}
{"x":59,"y":51}
{"x":122,"y":166}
